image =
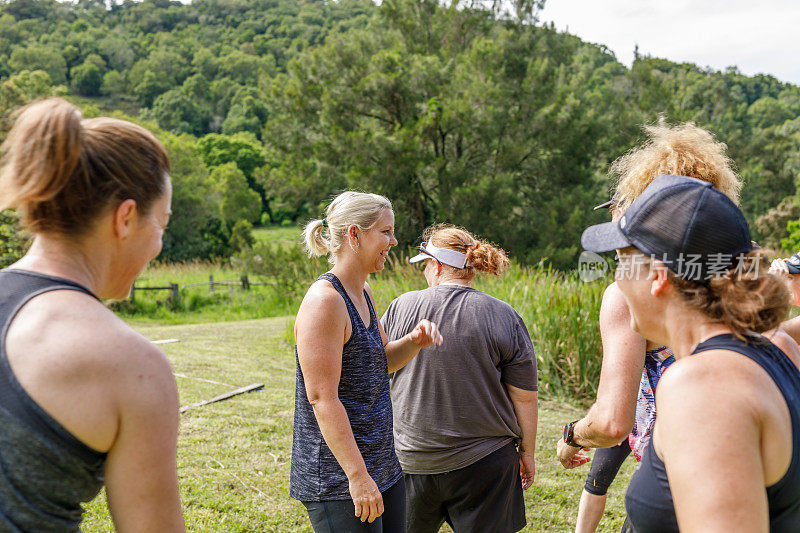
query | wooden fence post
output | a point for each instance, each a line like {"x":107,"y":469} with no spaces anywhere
{"x":175,"y":292}
{"x":211,"y":284}
{"x":133,"y":293}
{"x":245,"y":283}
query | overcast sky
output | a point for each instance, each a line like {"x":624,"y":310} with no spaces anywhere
{"x":757,"y":36}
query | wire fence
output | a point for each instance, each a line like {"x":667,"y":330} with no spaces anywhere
{"x":175,"y":290}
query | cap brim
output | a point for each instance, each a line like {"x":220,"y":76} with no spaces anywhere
{"x":604,"y":238}
{"x":419,"y":257}
{"x":603,"y":205}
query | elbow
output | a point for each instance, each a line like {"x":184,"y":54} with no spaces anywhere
{"x":318,"y":400}
{"x":617,"y":430}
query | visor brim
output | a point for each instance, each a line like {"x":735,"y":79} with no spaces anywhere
{"x":604,"y":238}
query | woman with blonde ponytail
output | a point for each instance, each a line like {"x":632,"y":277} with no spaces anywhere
{"x":85,"y":401}
{"x":344,"y":467}
{"x":465,"y":413}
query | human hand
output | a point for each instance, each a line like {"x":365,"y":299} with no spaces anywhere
{"x":367,"y":499}
{"x":426,"y":334}
{"x":527,"y":468}
{"x":570,"y":456}
{"x":779,"y":268}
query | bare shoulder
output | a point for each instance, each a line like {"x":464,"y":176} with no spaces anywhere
{"x":322,"y":309}
{"x":718,"y":378}
{"x":322,"y":298}
{"x":77,"y":326}
{"x":614,"y":309}
{"x":785,"y":343}
{"x":80,"y":342}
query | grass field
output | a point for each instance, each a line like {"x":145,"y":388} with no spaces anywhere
{"x":283,"y":235}
{"x":233,"y":456}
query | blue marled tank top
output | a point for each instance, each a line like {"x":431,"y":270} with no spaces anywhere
{"x":364,"y":391}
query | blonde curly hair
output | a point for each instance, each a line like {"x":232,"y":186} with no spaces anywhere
{"x":683,"y":150}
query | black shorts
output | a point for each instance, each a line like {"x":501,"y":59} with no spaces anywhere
{"x":339,"y":516}
{"x":606,"y":463}
{"x":484,"y":496}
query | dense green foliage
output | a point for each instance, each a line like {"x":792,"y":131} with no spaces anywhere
{"x":457,"y":111}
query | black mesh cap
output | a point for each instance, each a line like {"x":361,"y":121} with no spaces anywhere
{"x":688,"y":224}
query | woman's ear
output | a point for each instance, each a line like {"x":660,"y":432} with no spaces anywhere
{"x":352,"y":232}
{"x":660,"y":279}
{"x":123,"y":218}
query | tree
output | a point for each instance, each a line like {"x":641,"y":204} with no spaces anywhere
{"x":195,"y":228}
{"x":248,"y":112}
{"x":114,"y":83}
{"x":238,"y":201}
{"x":150,"y":87}
{"x":244,"y":150}
{"x":177,"y":113}
{"x":40,"y":57}
{"x":13,"y":244}
{"x":451,"y":115}
{"x":22,"y":88}
{"x":87,"y":79}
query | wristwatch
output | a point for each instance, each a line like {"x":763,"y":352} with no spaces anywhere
{"x":569,"y":434}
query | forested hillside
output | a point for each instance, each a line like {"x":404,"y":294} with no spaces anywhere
{"x":457,"y":111}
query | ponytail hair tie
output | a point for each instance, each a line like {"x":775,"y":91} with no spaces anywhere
{"x":325,"y":222}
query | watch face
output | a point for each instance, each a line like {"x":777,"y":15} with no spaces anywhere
{"x":566,"y":433}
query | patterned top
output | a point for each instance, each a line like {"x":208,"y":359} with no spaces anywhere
{"x":364,"y":391}
{"x":655,"y":362}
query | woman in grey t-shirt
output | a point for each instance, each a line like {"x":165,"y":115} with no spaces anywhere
{"x":461,"y":409}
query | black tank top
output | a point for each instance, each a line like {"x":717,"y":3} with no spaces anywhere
{"x":648,"y":500}
{"x":45,"y":471}
{"x":364,"y":392}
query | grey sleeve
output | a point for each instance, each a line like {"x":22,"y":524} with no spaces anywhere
{"x":518,"y":366}
{"x":389,"y":321}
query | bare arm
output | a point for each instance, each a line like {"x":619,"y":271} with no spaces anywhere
{"x":792,"y":328}
{"x":320,"y":329}
{"x":404,"y":349}
{"x":526,"y":409}
{"x":714,"y":463}
{"x":611,"y":417}
{"x":786,"y":343}
{"x":141,"y":472}
{"x":401,"y":351}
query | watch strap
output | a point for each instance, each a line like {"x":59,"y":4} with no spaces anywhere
{"x":569,"y":435}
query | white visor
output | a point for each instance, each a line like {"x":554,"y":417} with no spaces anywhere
{"x":443,"y":255}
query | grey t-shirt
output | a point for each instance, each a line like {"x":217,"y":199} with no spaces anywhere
{"x":450,"y":405}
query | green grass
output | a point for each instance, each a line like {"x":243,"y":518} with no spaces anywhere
{"x":233,"y":456}
{"x":283,"y":235}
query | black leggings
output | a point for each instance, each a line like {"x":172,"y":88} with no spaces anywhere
{"x":338,"y":516}
{"x":605,"y":465}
